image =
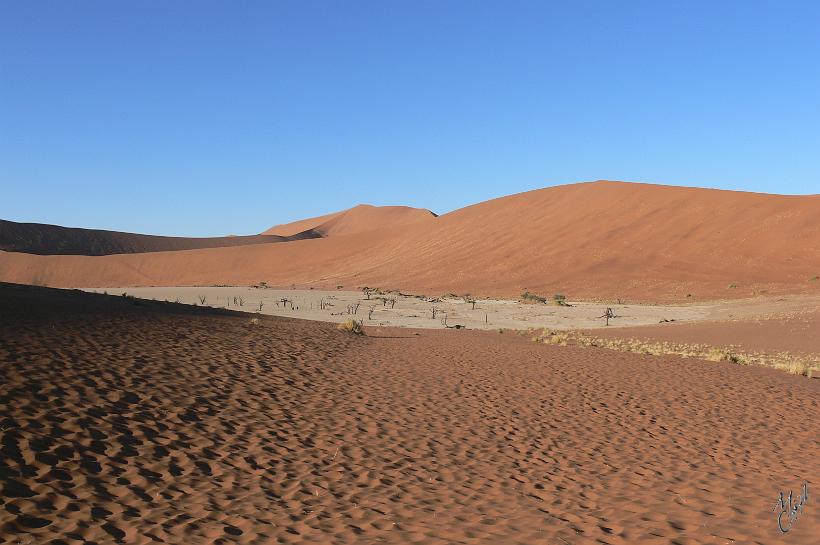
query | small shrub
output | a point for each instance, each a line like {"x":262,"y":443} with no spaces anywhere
{"x":353,"y":326}
{"x":560,"y":299}
{"x":732,"y":286}
{"x":814,"y":278}
{"x":527,"y":296}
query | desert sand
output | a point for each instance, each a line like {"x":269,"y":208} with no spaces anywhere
{"x":358,"y":219}
{"x":415,"y":310}
{"x":132,"y":421}
{"x":796,"y":331}
{"x":590,"y":241}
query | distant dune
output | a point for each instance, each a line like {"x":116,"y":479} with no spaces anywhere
{"x":37,"y":238}
{"x":589,"y":240}
{"x":354,"y":220}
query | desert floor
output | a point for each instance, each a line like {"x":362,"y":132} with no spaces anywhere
{"x":136,"y":421}
{"x":416,"y":311}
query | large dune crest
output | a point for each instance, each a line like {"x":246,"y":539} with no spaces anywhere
{"x":358,"y":219}
{"x":590,"y":240}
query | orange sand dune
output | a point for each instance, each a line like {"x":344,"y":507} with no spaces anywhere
{"x":592,"y":240}
{"x":38,"y":238}
{"x":354,"y":220}
{"x":141,"y":422}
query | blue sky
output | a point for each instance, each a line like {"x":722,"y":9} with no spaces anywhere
{"x":208,"y":118}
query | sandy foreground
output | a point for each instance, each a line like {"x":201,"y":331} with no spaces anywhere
{"x":135,"y":421}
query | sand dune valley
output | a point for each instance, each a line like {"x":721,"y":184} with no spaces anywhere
{"x":592,"y":363}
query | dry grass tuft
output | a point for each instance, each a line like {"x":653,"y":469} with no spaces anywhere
{"x":353,"y":326}
{"x":806,"y":365}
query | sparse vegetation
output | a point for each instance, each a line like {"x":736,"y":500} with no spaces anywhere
{"x":353,"y":326}
{"x":557,"y":299}
{"x":527,"y":296}
{"x":608,"y":314}
{"x":806,"y":365}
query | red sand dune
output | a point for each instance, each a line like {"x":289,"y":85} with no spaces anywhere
{"x":145,"y":422}
{"x":354,"y":220}
{"x":42,"y":239}
{"x":590,"y":240}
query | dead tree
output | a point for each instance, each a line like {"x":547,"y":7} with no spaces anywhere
{"x":241,"y":301}
{"x":366,"y":292}
{"x":608,"y":314}
{"x":261,"y":304}
{"x":370,"y":313}
{"x":393,"y":303}
{"x":356,"y":308}
{"x":434,"y":310}
{"x":202,"y":299}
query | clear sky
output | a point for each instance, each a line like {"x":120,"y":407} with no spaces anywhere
{"x":209,"y":118}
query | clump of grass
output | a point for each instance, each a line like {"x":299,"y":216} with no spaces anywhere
{"x":353,"y":326}
{"x":549,"y":336}
{"x":732,"y":286}
{"x":721,"y":354}
{"x":806,"y":365}
{"x":527,"y":296}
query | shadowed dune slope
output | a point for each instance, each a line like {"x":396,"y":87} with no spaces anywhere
{"x":37,"y":238}
{"x":589,"y":240}
{"x":354,"y":220}
{"x":142,"y":422}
